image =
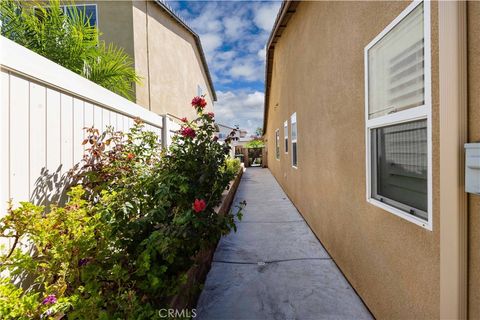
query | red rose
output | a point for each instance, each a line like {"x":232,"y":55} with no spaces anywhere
{"x":199,"y":102}
{"x":211,"y":114}
{"x":187,"y":132}
{"x":199,"y":205}
{"x":130,"y":156}
{"x":184,"y":119}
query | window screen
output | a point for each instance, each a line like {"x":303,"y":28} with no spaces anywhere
{"x":400,"y":165}
{"x":396,"y":68}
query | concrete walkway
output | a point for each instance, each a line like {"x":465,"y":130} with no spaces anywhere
{"x":274,"y":267}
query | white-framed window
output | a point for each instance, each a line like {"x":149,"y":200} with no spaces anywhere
{"x":293,"y":122}
{"x":277,"y":144}
{"x":398,"y":117}
{"x":285,"y":135}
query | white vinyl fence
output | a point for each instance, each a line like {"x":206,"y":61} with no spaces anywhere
{"x":172,"y":125}
{"x":44,"y":109}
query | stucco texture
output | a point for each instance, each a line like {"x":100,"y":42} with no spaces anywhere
{"x":318,"y":72}
{"x":168,"y":59}
{"x":474,"y":136}
{"x":114,"y":16}
{"x":165,"y":54}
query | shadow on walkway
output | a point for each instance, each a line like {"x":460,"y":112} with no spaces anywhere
{"x":274,"y":267}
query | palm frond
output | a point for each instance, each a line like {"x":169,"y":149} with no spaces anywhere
{"x":113,"y":69}
{"x":67,"y":38}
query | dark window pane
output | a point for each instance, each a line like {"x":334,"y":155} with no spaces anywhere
{"x":90,"y":12}
{"x":400,"y":166}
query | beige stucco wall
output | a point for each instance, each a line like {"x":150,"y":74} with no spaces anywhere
{"x":474,"y":136}
{"x":318,"y":72}
{"x":169,"y":61}
{"x":115,"y":22}
{"x":139,"y":10}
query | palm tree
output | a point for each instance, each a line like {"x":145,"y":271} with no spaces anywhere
{"x":67,"y":38}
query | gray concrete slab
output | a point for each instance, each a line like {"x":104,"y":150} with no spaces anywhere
{"x":274,"y":267}
{"x":263,"y":213}
{"x":254,"y":242}
{"x":301,"y":289}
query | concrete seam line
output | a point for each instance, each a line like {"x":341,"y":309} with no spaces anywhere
{"x":295,"y":221}
{"x":268,"y":261}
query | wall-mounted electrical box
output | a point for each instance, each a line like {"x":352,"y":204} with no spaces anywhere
{"x":472,"y":168}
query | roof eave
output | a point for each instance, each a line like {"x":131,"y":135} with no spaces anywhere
{"x":287,"y":9}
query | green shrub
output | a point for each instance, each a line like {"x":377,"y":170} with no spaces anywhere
{"x":69,"y":40}
{"x":50,"y":256}
{"x":255,"y":144}
{"x":233,"y":166}
{"x":123,"y":244}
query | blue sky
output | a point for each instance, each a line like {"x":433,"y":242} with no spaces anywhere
{"x":234,"y":35}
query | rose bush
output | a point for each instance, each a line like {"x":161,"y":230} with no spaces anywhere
{"x":123,"y":244}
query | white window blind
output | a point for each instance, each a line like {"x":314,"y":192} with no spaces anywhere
{"x":293,"y":121}
{"x":396,"y":67}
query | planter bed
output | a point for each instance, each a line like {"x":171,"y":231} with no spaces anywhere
{"x":189,"y":293}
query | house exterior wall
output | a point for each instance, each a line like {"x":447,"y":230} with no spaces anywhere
{"x":115,"y":22}
{"x":167,"y":56}
{"x":392,"y":263}
{"x":473,"y":48}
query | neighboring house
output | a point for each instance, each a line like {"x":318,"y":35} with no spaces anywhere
{"x":167,"y":53}
{"x":223,"y":133}
{"x":173,"y":123}
{"x":368,"y":106}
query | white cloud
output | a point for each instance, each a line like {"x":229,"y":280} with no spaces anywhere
{"x":246,"y":71}
{"x":210,"y":42}
{"x":264,"y":15}
{"x":262,"y":53}
{"x":244,"y":109}
{"x":208,"y":19}
{"x":247,"y":67}
{"x":235,"y":27}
